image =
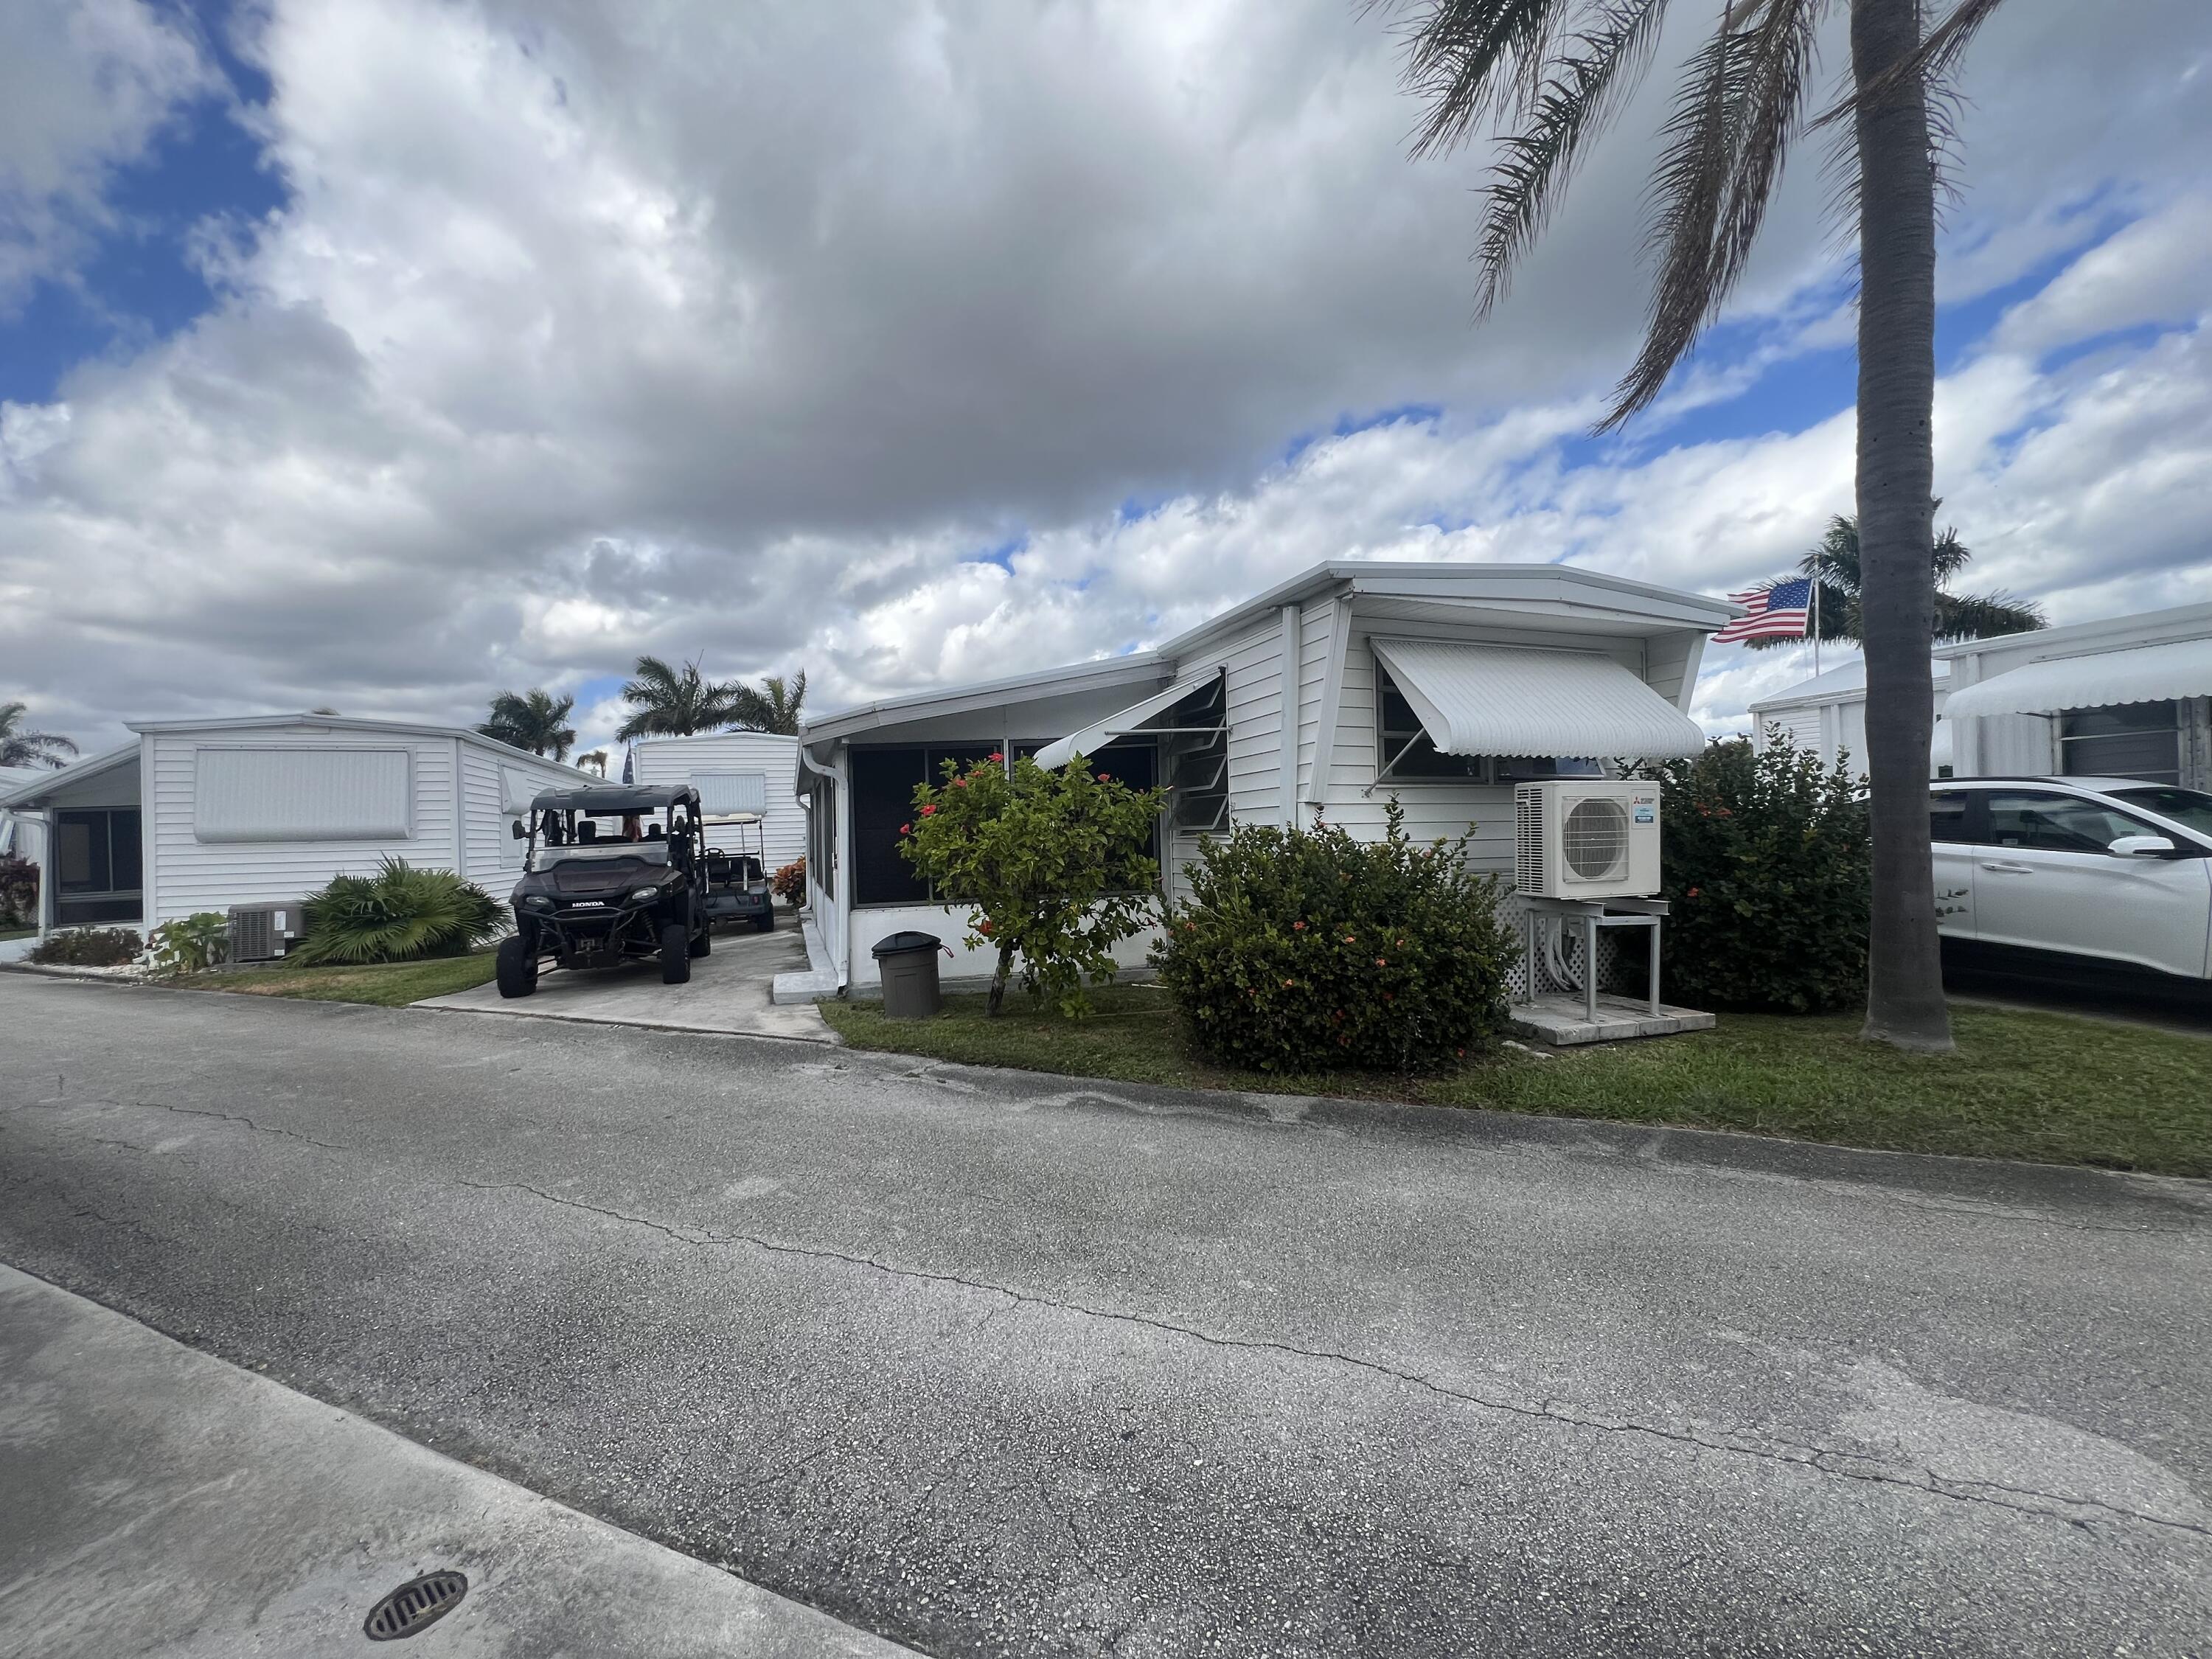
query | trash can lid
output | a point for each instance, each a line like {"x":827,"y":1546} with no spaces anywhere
{"x":899,"y":945}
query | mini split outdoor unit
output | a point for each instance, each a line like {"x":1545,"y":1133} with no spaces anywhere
{"x":1587,"y":838}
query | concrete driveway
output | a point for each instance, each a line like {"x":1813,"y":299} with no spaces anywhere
{"x":992,"y":1364}
{"x":728,"y":992}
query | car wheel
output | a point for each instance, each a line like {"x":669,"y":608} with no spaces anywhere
{"x":702,"y":942}
{"x":764,"y":923}
{"x":675,"y":954}
{"x":517,"y":967}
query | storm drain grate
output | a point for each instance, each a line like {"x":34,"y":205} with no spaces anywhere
{"x":415,"y":1605}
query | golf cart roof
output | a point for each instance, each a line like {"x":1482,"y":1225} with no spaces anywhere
{"x":730,"y":817}
{"x":604,"y":798}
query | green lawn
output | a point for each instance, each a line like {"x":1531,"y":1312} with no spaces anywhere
{"x":2044,"y":1087}
{"x":7,"y":933}
{"x":389,"y":985}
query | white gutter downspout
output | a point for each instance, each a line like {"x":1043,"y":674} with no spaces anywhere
{"x":47,"y":855}
{"x":1287,"y":810}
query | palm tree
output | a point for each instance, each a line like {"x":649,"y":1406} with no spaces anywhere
{"x":535,"y":720}
{"x":1556,"y":71}
{"x":773,"y":707}
{"x":597,"y":760}
{"x":21,"y":747}
{"x":676,"y":704}
{"x":1835,"y":564}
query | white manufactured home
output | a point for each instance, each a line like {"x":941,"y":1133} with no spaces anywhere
{"x":734,"y":772}
{"x":2123,"y":697}
{"x":1438,"y":685}
{"x":1827,"y":716}
{"x":201,"y":815}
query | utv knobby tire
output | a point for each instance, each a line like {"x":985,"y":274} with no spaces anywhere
{"x":702,"y":942}
{"x":675,"y":954}
{"x":517,"y":966}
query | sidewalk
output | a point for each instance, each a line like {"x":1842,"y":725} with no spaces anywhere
{"x":163,"y":1502}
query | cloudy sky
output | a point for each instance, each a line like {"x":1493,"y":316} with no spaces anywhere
{"x":380,"y":354}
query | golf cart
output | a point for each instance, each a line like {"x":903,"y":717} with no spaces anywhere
{"x":736,"y":876}
{"x":615,"y":873}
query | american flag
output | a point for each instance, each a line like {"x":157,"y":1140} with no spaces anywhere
{"x":1779,"y":612}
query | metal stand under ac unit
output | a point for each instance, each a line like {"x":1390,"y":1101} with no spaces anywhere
{"x":1544,"y":922}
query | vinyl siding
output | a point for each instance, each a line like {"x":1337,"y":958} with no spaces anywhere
{"x":193,"y":875}
{"x":783,"y":825}
{"x":190,"y":875}
{"x":496,"y":790}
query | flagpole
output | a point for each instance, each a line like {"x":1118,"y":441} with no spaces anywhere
{"x":1816,"y":626}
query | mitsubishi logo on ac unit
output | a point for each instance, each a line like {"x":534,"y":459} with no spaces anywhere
{"x":1587,"y":838}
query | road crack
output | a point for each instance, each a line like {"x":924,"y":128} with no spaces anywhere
{"x":1835,"y":1462}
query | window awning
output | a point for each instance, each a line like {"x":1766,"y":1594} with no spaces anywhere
{"x":1503,"y":700}
{"x":1121,"y":723}
{"x":2138,"y":673}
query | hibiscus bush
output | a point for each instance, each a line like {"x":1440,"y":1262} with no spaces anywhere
{"x":1769,"y":865}
{"x":1307,"y":949}
{"x":1055,"y":867}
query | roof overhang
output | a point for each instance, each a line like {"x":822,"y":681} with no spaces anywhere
{"x":47,"y":783}
{"x":1512,"y":700}
{"x":2141,"y":673}
{"x":1102,"y":673}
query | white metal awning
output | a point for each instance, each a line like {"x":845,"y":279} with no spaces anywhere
{"x":1122,"y":723}
{"x":1503,"y":700}
{"x":2136,"y":673}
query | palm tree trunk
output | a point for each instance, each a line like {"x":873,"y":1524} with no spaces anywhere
{"x":1896,"y":504}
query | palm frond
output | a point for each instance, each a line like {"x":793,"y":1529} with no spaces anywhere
{"x":1932,"y":62}
{"x":1985,"y":616}
{"x":1582,"y":91}
{"x":1470,"y":59}
{"x":1740,"y":102}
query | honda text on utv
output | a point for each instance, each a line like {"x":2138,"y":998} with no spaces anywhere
{"x":615,"y":873}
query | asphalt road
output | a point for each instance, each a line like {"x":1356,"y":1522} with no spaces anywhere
{"x":992,"y":1363}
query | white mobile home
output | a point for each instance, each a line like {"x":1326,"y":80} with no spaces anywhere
{"x":1827,"y":716}
{"x":734,"y":772}
{"x":2124,"y":696}
{"x":1438,"y":685}
{"x":201,"y":815}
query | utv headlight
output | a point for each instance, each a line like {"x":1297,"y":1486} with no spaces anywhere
{"x":644,"y":895}
{"x":538,"y":902}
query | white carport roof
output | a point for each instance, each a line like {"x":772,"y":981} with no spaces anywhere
{"x":2141,"y":673}
{"x":1121,"y":722}
{"x":1506,"y":699}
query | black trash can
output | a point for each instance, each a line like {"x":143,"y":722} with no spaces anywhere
{"x":908,"y":964}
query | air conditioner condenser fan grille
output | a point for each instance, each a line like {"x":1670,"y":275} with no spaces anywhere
{"x":1593,"y":839}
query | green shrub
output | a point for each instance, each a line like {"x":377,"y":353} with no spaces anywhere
{"x":19,"y":892}
{"x":89,"y":947}
{"x":1768,"y":871}
{"x":1303,"y":950}
{"x":1056,"y":866}
{"x":398,"y":914}
{"x":192,"y":943}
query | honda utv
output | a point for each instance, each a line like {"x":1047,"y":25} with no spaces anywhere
{"x":615,"y":873}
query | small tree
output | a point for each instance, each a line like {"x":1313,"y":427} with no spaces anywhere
{"x":1769,"y":877}
{"x":1056,"y":865}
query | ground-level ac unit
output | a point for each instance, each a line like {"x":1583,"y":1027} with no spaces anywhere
{"x":1587,"y":838}
{"x":263,"y":933}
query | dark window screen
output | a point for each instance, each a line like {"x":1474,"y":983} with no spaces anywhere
{"x":884,"y":781}
{"x":1948,"y":817}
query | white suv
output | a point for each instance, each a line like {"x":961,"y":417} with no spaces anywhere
{"x":2109,"y":868}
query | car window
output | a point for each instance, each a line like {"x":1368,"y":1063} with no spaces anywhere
{"x":1947,"y":815}
{"x":2057,"y":823}
{"x":2191,"y":807}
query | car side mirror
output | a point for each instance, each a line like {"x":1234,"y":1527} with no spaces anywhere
{"x":518,"y":831}
{"x":2141,"y":847}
